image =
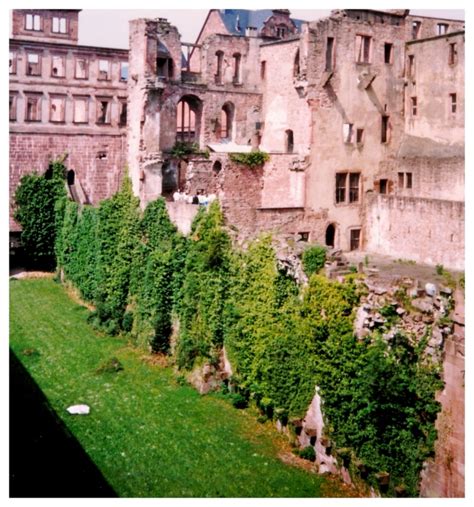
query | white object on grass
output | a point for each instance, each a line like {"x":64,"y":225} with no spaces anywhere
{"x":78,"y":409}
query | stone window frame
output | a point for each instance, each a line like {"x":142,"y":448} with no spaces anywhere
{"x":237,"y":77}
{"x":363,"y":55}
{"x":289,"y":141}
{"x":35,"y":27}
{"x":105,"y":119}
{"x":124,"y":75}
{"x":62,"y":56}
{"x":86,"y":59}
{"x":347,"y":186}
{"x":386,"y":129}
{"x":414,"y":106}
{"x":60,"y":25}
{"x":226,"y":121}
{"x":355,"y":236}
{"x":219,"y":75}
{"x":123,"y":106}
{"x":411,"y":67}
{"x":263,"y":70}
{"x":405,"y":180}
{"x":13,"y":106}
{"x":86,"y":100}
{"x":39,"y":63}
{"x":63,"y":99}
{"x":348,"y":133}
{"x":442,"y":29}
{"x":100,"y":75}
{"x":330,"y":62}
{"x":453,"y":53}
{"x":388,"y":49}
{"x":36,"y":98}
{"x":453,"y":106}
{"x":415,"y":29}
{"x":13,"y":62}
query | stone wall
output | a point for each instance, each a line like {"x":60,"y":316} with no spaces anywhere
{"x":97,"y":161}
{"x":424,"y":230}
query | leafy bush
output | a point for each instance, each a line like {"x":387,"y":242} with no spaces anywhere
{"x":313,"y":259}
{"x":251,"y":159}
{"x":238,"y":401}
{"x":182,"y":149}
{"x":307,"y":453}
{"x":39,"y":210}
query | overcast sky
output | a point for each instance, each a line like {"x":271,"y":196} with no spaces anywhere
{"x":109,"y":28}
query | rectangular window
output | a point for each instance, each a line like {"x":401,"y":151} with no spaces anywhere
{"x":263,"y":68}
{"x":33,"y":22}
{"x":411,"y":66}
{"x":81,"y":69}
{"x":415,"y":29}
{"x":58,"y":66}
{"x":57,"y":109}
{"x":453,"y":53}
{"x":12,"y":104}
{"x":414,"y":106}
{"x":405,"y":180}
{"x":408,"y":181}
{"x":59,"y":25}
{"x":401,"y":180}
{"x":360,"y":136}
{"x":388,"y":52}
{"x":104,"y":70}
{"x":363,"y":48}
{"x":329,"y":54}
{"x":348,"y":132}
{"x":33,"y":66}
{"x":441,"y":28}
{"x":355,"y":239}
{"x":33,"y":108}
{"x":341,"y":187}
{"x":383,"y":186}
{"x":12,"y":62}
{"x":237,"y":62}
{"x":123,"y":113}
{"x":354,"y":187}
{"x":104,"y":107}
{"x":384,"y":137}
{"x":454,"y":102}
{"x":81,"y":110}
{"x":123,"y":71}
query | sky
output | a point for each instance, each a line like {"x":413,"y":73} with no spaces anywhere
{"x":109,"y":27}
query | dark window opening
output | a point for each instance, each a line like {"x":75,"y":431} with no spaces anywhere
{"x":442,"y":29}
{"x":103,"y":112}
{"x":289,"y":141}
{"x":329,"y":53}
{"x":263,"y":68}
{"x":341,"y":187}
{"x":454,"y":104}
{"x":217,"y":166}
{"x":383,"y":186}
{"x":296,"y":64}
{"x":227,"y":113}
{"x":281,"y":31}
{"x":363,"y":48}
{"x":101,"y":155}
{"x":330,"y":235}
{"x":237,"y":61}
{"x":401,"y":179}
{"x":388,"y":52}
{"x":408,"y":180}
{"x":303,"y":236}
{"x":414,"y":106}
{"x":123,"y":113}
{"x":33,"y":109}
{"x":415,"y":29}
{"x":164,"y":68}
{"x":411,"y":66}
{"x":218,"y":76}
{"x":355,"y":239}
{"x":70,"y":177}
{"x":385,"y":129}
{"x":354,"y":187}
{"x":12,"y":108}
{"x":453,"y":52}
{"x":12,"y":63}
{"x":360,"y":136}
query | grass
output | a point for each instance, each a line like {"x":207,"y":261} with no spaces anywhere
{"x":149,"y":436}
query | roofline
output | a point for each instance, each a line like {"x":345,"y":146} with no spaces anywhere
{"x":280,"y":41}
{"x":434,"y":17}
{"x":60,"y":45}
{"x":205,"y":21}
{"x":436,"y":37}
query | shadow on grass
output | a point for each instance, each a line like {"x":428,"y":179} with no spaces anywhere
{"x":46,"y":460}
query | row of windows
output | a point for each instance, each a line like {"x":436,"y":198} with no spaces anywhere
{"x":351,"y":135}
{"x":441,"y":29}
{"x":453,"y":104}
{"x":33,"y":109}
{"x":34,"y":66}
{"x":35,"y":23}
{"x":237,"y":63}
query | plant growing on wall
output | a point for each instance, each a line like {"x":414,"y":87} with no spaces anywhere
{"x":251,"y":159}
{"x":313,"y":259}
{"x":39,"y":210}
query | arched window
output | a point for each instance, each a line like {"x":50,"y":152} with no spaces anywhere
{"x":289,"y":141}
{"x":330,"y":235}
{"x":219,"y":59}
{"x":188,"y":117}
{"x":227,"y":117}
{"x":70,"y":177}
{"x":237,"y":73}
{"x":296,"y":64}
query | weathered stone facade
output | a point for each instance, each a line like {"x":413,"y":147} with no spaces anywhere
{"x":365,"y":134}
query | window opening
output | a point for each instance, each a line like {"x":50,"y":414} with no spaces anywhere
{"x":263,"y":68}
{"x":80,"y":110}
{"x":383,"y":186}
{"x":360,"y":136}
{"x":385,"y":129}
{"x":103,"y":112}
{"x":414,"y":106}
{"x":355,"y":239}
{"x":388,"y":52}
{"x":354,"y":187}
{"x":454,"y":103}
{"x":81,"y":68}
{"x":363,"y":47}
{"x":453,"y":53}
{"x":33,"y":22}
{"x":289,"y":141}
{"x":123,"y":71}
{"x":33,"y":66}
{"x":219,"y":60}
{"x":341,"y":187}
{"x":348,"y":132}
{"x":415,"y":29}
{"x":33,"y":109}
{"x":237,"y":62}
{"x":57,"y":66}
{"x":104,"y":66}
{"x":329,"y":53}
{"x":442,"y":28}
{"x":57,"y":107}
{"x":330,"y":235}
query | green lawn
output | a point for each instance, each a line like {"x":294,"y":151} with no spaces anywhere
{"x":149,"y":436}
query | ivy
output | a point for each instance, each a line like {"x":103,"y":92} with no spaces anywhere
{"x":251,"y":159}
{"x":39,"y":210}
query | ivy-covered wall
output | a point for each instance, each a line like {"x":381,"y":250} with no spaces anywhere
{"x":282,"y":339}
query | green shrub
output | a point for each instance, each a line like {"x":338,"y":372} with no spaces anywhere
{"x":238,"y":401}
{"x":313,"y":259}
{"x":307,"y":453}
{"x":251,"y":159}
